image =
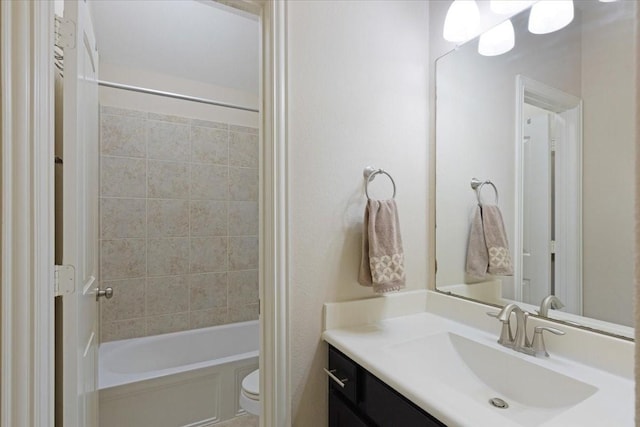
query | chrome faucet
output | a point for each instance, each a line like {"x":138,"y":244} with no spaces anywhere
{"x":550,"y":301}
{"x":520,"y":342}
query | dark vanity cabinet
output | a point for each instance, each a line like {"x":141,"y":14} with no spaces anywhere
{"x":364,"y":401}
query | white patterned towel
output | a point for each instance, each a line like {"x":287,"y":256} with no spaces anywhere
{"x":382,"y":263}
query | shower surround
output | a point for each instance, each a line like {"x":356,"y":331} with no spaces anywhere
{"x":178,"y":223}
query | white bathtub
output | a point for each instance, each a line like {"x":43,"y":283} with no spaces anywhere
{"x":189,"y":378}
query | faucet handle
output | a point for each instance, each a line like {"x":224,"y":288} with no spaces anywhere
{"x":506,"y":336}
{"x":538,"y":346}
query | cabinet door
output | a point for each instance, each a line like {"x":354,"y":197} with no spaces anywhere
{"x":340,"y":414}
{"x":387,"y":408}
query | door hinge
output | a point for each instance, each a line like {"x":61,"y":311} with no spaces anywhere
{"x":66,"y":33}
{"x":64,"y":280}
{"x":553,"y":145}
{"x":553,"y":246}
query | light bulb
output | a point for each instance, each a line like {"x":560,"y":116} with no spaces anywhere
{"x":509,"y":7}
{"x":462,"y":21}
{"x":607,"y":1}
{"x":548,"y":16}
{"x":498,"y":40}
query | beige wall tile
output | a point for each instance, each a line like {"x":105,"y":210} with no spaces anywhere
{"x":123,"y":177}
{"x":169,"y":202}
{"x":168,"y":218}
{"x":243,"y":218}
{"x":246,"y":129}
{"x":243,"y":184}
{"x":209,"y":182}
{"x":167,"y":323}
{"x":243,"y":288}
{"x":243,"y":150}
{"x":209,"y":145}
{"x":127,"y":301}
{"x":166,"y":295}
{"x":121,"y":218}
{"x":208,"y":254}
{"x":168,"y":141}
{"x":122,"y":136}
{"x":207,"y":290}
{"x":168,"y":180}
{"x":206,"y":318}
{"x":168,"y":256}
{"x":122,"y":329}
{"x":106,"y":109}
{"x":243,"y":253}
{"x":168,"y":118}
{"x":243,"y":313}
{"x":209,"y":124}
{"x":208,"y":218}
{"x":122,"y":258}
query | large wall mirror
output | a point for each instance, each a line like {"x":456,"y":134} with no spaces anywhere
{"x":547,"y":132}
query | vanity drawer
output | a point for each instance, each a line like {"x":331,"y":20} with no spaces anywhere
{"x":346,"y":371}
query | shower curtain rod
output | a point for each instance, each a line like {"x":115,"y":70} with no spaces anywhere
{"x":174,"y":95}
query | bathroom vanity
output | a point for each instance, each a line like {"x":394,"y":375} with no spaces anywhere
{"x":427,"y":359}
{"x":358,"y":398}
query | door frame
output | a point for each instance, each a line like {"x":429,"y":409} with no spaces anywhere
{"x":27,"y":241}
{"x":26,"y":49}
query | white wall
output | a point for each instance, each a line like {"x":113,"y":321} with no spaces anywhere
{"x":162,"y":105}
{"x":358,"y":77}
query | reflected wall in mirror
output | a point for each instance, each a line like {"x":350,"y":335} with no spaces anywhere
{"x":552,"y":124}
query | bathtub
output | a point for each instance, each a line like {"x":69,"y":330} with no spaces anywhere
{"x":181,"y":379}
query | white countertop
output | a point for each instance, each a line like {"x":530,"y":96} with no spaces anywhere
{"x":611,"y":405}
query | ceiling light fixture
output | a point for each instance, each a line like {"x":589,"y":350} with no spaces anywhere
{"x":548,"y":16}
{"x":498,"y":40}
{"x":462,"y":21}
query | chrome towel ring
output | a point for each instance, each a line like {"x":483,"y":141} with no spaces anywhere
{"x":370,"y":173}
{"x":477,"y":185}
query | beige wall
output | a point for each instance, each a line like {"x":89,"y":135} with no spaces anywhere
{"x":358,"y":76}
{"x":609,"y":84}
{"x":178,"y":207}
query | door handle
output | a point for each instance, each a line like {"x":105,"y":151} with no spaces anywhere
{"x":107,"y":293}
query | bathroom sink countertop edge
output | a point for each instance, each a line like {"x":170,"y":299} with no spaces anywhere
{"x":371,"y":346}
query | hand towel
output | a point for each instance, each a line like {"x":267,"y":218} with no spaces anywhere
{"x":488,"y":247}
{"x":495,"y":237}
{"x":382,"y":262}
{"x":477,"y":256}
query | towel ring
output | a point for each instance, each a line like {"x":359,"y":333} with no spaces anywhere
{"x":370,"y":173}
{"x":477,"y":185}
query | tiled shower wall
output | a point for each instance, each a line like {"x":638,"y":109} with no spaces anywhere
{"x":178,"y":223}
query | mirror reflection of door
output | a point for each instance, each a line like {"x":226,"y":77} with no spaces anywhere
{"x":537,"y":231}
{"x":551,"y":202}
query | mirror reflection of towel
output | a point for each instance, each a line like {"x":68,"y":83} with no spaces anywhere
{"x":382,"y":263}
{"x":488,"y":248}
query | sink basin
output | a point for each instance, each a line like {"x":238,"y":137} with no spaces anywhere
{"x":534,"y":394}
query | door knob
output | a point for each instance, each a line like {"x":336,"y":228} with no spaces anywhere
{"x":107,"y":293}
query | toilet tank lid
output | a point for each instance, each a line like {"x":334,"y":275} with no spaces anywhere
{"x":251,"y":383}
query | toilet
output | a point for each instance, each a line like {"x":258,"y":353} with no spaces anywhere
{"x":250,"y":393}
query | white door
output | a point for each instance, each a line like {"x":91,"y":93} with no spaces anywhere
{"x":537,"y":207}
{"x":80,"y":219}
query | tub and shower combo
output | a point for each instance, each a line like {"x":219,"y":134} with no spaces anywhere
{"x":188,"y":379}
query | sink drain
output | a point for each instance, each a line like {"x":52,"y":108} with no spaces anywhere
{"x":498,"y":403}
